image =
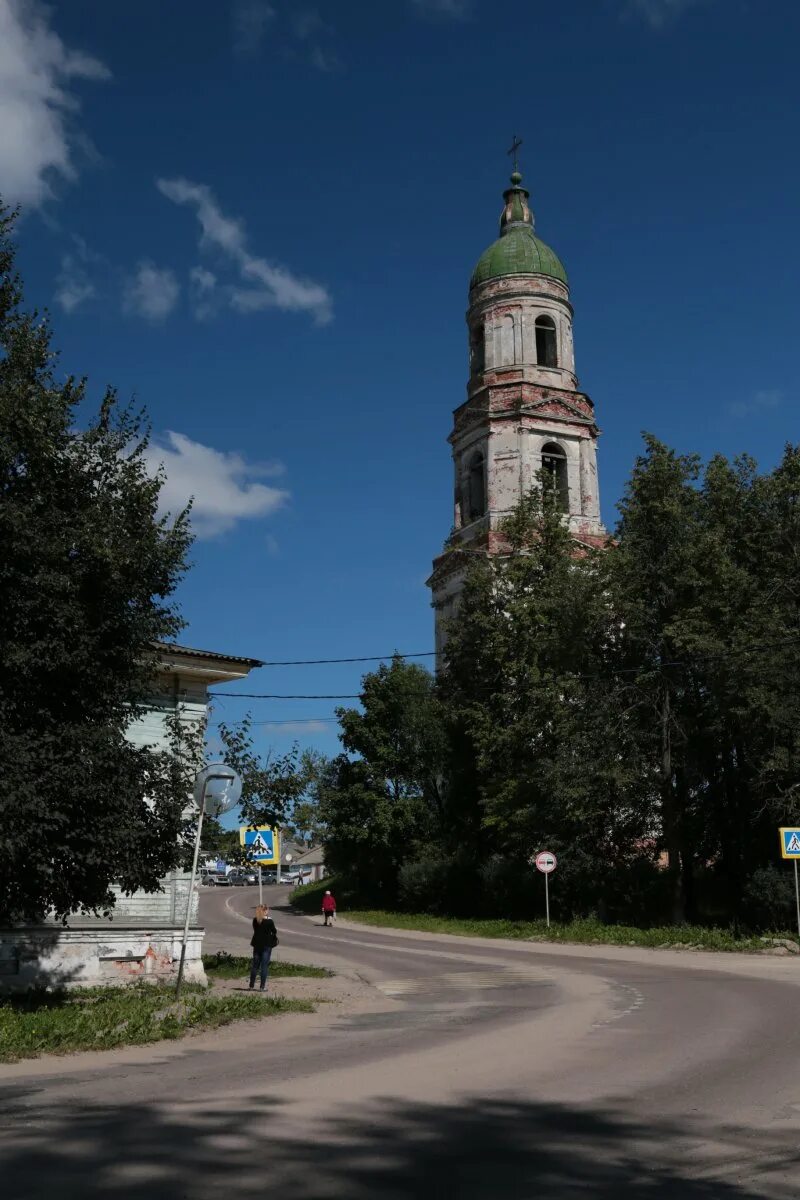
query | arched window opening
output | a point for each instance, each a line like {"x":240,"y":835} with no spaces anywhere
{"x":477,"y":353}
{"x":476,"y":488}
{"x":554,"y":467}
{"x":546,"y":348}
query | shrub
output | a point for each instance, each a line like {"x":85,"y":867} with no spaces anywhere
{"x":769,"y":901}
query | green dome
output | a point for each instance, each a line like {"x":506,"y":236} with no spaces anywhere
{"x":517,"y":252}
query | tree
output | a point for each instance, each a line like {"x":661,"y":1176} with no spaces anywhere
{"x":389,"y":802}
{"x":655,"y":579}
{"x":87,"y":575}
{"x":271,"y":785}
{"x":526,"y":684}
{"x":306,"y":821}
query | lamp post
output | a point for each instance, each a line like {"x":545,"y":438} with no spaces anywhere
{"x":218,"y":789}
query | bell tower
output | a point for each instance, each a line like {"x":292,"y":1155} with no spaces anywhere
{"x":524,"y":411}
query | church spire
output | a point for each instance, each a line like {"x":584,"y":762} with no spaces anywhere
{"x":517,"y":212}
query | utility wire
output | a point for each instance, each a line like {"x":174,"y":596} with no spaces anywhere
{"x":265,"y":696}
{"x":317,"y":662}
{"x":642,"y":668}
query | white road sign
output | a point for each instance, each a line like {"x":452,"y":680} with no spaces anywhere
{"x":546,"y":862}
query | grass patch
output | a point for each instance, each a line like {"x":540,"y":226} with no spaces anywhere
{"x":585,"y":932}
{"x":104,"y":1018}
{"x":308,"y":897}
{"x":229,"y":966}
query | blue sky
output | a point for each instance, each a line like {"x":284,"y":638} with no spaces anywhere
{"x":260,"y":219}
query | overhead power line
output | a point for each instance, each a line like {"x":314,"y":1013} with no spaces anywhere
{"x":318,"y":662}
{"x":266,"y":696}
{"x":641,"y":668}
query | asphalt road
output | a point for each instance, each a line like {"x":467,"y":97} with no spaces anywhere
{"x":461,"y":1069}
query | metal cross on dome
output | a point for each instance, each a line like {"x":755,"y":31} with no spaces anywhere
{"x":515,"y":145}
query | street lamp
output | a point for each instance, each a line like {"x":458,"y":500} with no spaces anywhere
{"x":217,"y":789}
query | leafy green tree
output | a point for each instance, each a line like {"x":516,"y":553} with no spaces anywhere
{"x":387,"y":803}
{"x":705,"y":579}
{"x":306,"y":823}
{"x":526,"y":683}
{"x":655,"y":581}
{"x":271,"y":784}
{"x":87,"y":575}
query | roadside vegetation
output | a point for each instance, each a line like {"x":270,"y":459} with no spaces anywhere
{"x":586,"y":931}
{"x":40,"y":1022}
{"x":632,"y":708}
{"x":229,"y":966}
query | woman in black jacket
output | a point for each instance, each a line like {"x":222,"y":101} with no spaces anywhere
{"x":263,"y":941}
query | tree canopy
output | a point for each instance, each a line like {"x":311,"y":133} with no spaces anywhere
{"x":636,"y":710}
{"x":87,"y":580}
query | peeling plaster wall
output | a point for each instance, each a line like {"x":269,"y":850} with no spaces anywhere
{"x":514,"y":407}
{"x":50,"y":956}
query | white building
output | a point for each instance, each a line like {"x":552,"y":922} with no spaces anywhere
{"x":143,"y":937}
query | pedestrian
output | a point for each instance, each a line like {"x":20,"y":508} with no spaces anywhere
{"x":328,"y":908}
{"x":263,"y":941}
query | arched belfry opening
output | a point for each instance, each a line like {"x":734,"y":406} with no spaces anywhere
{"x":554,"y":467}
{"x":477,"y":349}
{"x":546,"y":342}
{"x":476,"y":487}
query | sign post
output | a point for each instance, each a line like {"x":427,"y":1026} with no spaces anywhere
{"x":217,"y":789}
{"x":546,"y":862}
{"x":790,"y":848}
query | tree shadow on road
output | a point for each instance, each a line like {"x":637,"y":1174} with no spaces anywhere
{"x":480,"y":1148}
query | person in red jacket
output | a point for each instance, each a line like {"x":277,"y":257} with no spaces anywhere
{"x":328,"y":908}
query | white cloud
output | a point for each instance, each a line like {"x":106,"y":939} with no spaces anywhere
{"x":152,"y":292}
{"x":308,"y":23}
{"x":38,"y":137}
{"x":455,"y":10}
{"x":74,"y":284}
{"x":226,"y":489}
{"x":760,"y":402}
{"x":270,"y":286}
{"x":202,"y":292}
{"x":659,"y":13}
{"x":251,"y":19}
{"x":325,"y":60}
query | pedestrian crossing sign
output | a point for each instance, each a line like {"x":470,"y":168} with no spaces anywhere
{"x":790,"y":843}
{"x":261,"y":844}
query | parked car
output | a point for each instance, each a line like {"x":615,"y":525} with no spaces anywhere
{"x":291,"y":876}
{"x":214,"y":878}
{"x":241,"y":878}
{"x":269,"y":876}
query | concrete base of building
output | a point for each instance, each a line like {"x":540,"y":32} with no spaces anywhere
{"x":55,"y":957}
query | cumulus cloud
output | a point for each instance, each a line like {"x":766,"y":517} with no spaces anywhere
{"x":760,"y":402}
{"x":251,"y":19}
{"x":224,"y":487}
{"x":151,"y":292}
{"x":660,"y":13}
{"x":263,"y":284}
{"x":38,"y":131}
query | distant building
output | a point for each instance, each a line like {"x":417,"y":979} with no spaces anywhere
{"x":524,"y":412}
{"x":312,"y":864}
{"x":143,"y":937}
